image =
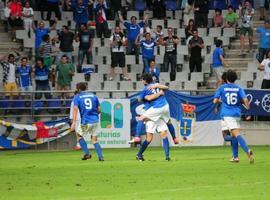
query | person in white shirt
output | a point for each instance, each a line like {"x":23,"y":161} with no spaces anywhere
{"x":265,"y":66}
{"x":28,"y":15}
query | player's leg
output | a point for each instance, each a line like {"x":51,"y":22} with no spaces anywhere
{"x":82,"y":130}
{"x":162,"y":129}
{"x":172,"y":132}
{"x":94,"y":141}
{"x":140,"y":127}
{"x":166,"y":118}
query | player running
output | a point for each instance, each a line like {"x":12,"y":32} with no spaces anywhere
{"x":156,"y":116}
{"x":232,"y":96}
{"x":88,"y":105}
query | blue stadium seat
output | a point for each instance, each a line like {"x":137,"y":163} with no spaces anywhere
{"x":171,"y":5}
{"x":38,"y":104}
{"x":54,"y":103}
{"x":19,"y":103}
{"x":4,"y":103}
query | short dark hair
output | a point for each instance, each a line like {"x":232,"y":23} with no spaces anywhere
{"x":159,"y":26}
{"x":11,"y":56}
{"x":219,"y":43}
{"x":224,"y":77}
{"x":152,"y":60}
{"x":39,"y":59}
{"x":45,"y":37}
{"x":133,"y":17}
{"x":65,"y":27}
{"x":81,"y":86}
{"x":24,"y":58}
{"x":148,"y":78}
{"x":231,"y":76}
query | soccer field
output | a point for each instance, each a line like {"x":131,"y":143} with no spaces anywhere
{"x":192,"y":174}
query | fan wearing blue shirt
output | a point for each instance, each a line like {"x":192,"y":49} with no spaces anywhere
{"x":231,"y":96}
{"x":87,"y":104}
{"x":81,"y":14}
{"x":264,"y":45}
{"x":24,"y":73}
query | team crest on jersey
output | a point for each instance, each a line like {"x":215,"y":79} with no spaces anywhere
{"x":187,"y":123}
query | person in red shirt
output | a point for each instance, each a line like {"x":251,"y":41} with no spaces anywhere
{"x":15,"y":18}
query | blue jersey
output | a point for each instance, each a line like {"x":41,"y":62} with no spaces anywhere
{"x":40,"y":32}
{"x":217,"y":62}
{"x":156,"y":103}
{"x":264,"y":37}
{"x":24,"y":76}
{"x":133,"y":30}
{"x":88,"y":104}
{"x":155,"y":73}
{"x":148,"y":48}
{"x":231,"y":96}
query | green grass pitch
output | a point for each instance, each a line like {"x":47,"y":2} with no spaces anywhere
{"x":193,"y":174}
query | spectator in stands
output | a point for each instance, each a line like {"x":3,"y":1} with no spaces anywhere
{"x":159,"y":11}
{"x":65,"y":37}
{"x":158,"y":33}
{"x":15,"y":18}
{"x":45,"y":51}
{"x":133,"y":30}
{"x":100,"y":8}
{"x":246,"y":14}
{"x":117,"y":43}
{"x":154,"y":71}
{"x":189,"y":28}
{"x":170,"y":57}
{"x":41,"y":6}
{"x":85,"y":38}
{"x":145,"y":29}
{"x":265,"y":66}
{"x":147,"y":46}
{"x":196,"y":45}
{"x":201,"y":13}
{"x":65,"y":71}
{"x":81,"y":15}
{"x":264,"y":4}
{"x":218,"y":62}
{"x":231,"y":18}
{"x":25,"y":74}
{"x":28,"y":15}
{"x":116,"y":6}
{"x":218,"y":20}
{"x":53,"y":5}
{"x":9,"y":76}
{"x":188,"y":12}
{"x":41,"y":73}
{"x":264,"y":45}
{"x":39,"y":33}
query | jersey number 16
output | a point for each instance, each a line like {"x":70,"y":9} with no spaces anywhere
{"x":231,"y":98}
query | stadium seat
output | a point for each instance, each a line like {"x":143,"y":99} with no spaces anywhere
{"x":257,"y":84}
{"x":197,"y":76}
{"x":202,"y":32}
{"x":131,"y":13}
{"x":182,"y":49}
{"x":241,"y":83}
{"x":19,"y":104}
{"x":96,"y":78}
{"x":180,"y":59}
{"x":130,"y":59}
{"x":171,"y":5}
{"x":110,"y":85}
{"x":38,"y":104}
{"x":176,"y":85}
{"x":67,"y":15}
{"x":126,"y":85}
{"x":190,"y":85}
{"x":253,"y":66}
{"x":159,"y":59}
{"x":156,"y":22}
{"x":54,"y":103}
{"x":164,"y":77}
{"x":139,"y":85}
{"x":247,"y":76}
{"x":111,"y":24}
{"x":178,"y":14}
{"x":229,"y":32}
{"x":181,"y":33}
{"x":174,"y":23}
{"x":215,"y":32}
{"x":181,"y":76}
{"x":132,"y":76}
{"x":96,"y":42}
{"x":169,"y":14}
{"x":118,"y":95}
{"x":94,"y":86}
{"x":103,"y":95}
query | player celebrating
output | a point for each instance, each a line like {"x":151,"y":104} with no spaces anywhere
{"x":231,"y":97}
{"x":156,"y":116}
{"x":88,"y":106}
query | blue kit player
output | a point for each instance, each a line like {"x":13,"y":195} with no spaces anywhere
{"x":156,"y":116}
{"x":88,"y":105}
{"x":231,"y":97}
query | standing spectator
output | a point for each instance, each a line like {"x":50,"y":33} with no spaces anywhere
{"x":246,"y":15}
{"x":147,"y":45}
{"x":265,"y":66}
{"x":159,"y":10}
{"x":28,"y":15}
{"x":65,"y":71}
{"x":81,"y":15}
{"x":85,"y":38}
{"x":53,"y":5}
{"x":24,"y":74}
{"x":201,"y":13}
{"x":15,"y":18}
{"x":188,"y":12}
{"x":42,"y":79}
{"x":264,"y":4}
{"x":196,"y":45}
{"x":231,"y":18}
{"x":117,"y":43}
{"x":218,"y":62}
{"x":264,"y":45}
{"x":45,"y":51}
{"x":158,"y":33}
{"x":133,"y":30}
{"x":101,"y":21}
{"x":218,"y":20}
{"x":170,"y":58}
{"x":39,"y":33}
{"x":116,"y":6}
{"x":41,"y":6}
{"x":9,"y":76}
{"x":66,"y":37}
{"x":154,"y":71}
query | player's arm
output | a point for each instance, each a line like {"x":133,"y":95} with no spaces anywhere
{"x":157,"y":85}
{"x":74,"y":117}
{"x":99,"y":109}
{"x":154,"y":96}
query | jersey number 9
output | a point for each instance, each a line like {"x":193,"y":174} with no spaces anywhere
{"x":88,"y":103}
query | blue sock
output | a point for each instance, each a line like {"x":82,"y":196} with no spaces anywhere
{"x":84,"y":146}
{"x":143,"y":147}
{"x":98,"y":150}
{"x":242,"y":143}
{"x":166,"y":147}
{"x":139,"y":128}
{"x":172,"y":130}
{"x":227,"y":138}
{"x":234,"y":144}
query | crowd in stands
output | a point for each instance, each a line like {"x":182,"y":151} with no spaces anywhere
{"x":138,"y":38}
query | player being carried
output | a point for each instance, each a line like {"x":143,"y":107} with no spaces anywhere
{"x":88,"y":105}
{"x":156,"y":116}
{"x":232,"y":96}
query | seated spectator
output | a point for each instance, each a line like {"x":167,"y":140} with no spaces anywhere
{"x":218,"y":20}
{"x":15,"y":18}
{"x":188,"y":12}
{"x":154,"y":71}
{"x":196,"y":45}
{"x":85,"y":38}
{"x":24,"y":74}
{"x":28,"y":15}
{"x":231,"y":18}
{"x":159,"y":11}
{"x":189,"y":28}
{"x":80,"y":8}
{"x":53,"y":6}
{"x":42,"y":79}
{"x":100,"y":8}
{"x":264,"y":37}
{"x":117,"y":44}
{"x":65,"y":71}
{"x":45,"y":51}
